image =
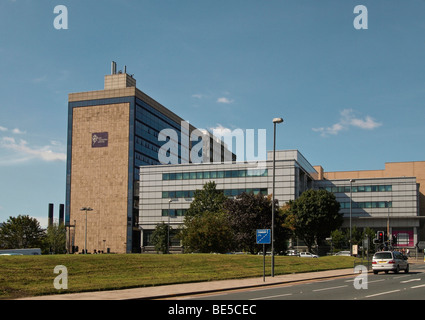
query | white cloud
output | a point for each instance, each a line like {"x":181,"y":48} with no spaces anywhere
{"x":347,"y":120}
{"x":224,"y":100}
{"x":25,"y":152}
{"x":15,"y":131}
{"x":368,"y":124}
{"x":219,"y":129}
{"x":39,"y":79}
{"x":18,"y":131}
{"x":333,"y":130}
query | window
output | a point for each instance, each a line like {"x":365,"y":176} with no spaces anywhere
{"x":223,"y":174}
{"x":173,"y":212}
{"x":366,"y":205}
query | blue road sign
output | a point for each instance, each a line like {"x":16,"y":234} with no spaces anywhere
{"x":263,"y":236}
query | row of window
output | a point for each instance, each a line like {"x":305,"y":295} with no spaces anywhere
{"x":174,"y":212}
{"x":371,"y":188}
{"x":344,"y":205}
{"x":227,"y":192}
{"x":366,"y":205}
{"x":215,"y":174}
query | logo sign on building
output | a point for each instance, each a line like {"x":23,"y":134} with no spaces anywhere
{"x":99,"y":140}
{"x":263,"y":236}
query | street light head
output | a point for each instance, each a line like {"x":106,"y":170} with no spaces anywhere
{"x":277,"y":120}
{"x":352,"y":180}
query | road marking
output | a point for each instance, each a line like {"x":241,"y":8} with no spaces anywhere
{"x":382,"y":293}
{"x":411,"y":280}
{"x":420,"y":286}
{"x":330,"y":288}
{"x":376,"y":280}
{"x":271,"y":297}
{"x":408,"y":275}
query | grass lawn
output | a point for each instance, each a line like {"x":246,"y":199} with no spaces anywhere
{"x":23,"y":276}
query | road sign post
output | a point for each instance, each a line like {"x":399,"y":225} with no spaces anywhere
{"x":264,"y":237}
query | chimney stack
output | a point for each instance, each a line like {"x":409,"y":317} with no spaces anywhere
{"x":50,"y":214}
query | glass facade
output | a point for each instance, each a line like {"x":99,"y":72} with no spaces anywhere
{"x":149,"y":122}
{"x":173,"y":212}
{"x":366,"y":205}
{"x":215,"y":174}
{"x":227,"y":192}
{"x":369,"y":188}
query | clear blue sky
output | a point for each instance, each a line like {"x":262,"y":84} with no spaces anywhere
{"x":351,"y":99}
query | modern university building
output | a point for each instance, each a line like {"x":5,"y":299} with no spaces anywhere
{"x":112,"y":133}
{"x":118,"y":190}
{"x":381,"y":200}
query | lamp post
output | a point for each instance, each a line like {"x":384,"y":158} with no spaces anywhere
{"x":275,"y":121}
{"x":387,"y":203}
{"x":85,"y":236}
{"x":351,"y":210}
{"x":168,"y":228}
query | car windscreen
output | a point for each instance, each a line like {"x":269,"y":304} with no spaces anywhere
{"x":383,"y":255}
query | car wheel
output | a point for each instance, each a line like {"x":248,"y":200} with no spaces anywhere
{"x":375,"y":272}
{"x":407,"y":269}
{"x":397,"y":270}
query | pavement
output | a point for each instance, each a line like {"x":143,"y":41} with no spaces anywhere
{"x":176,"y":290}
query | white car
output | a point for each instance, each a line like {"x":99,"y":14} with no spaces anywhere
{"x":308,"y":255}
{"x":389,"y":261}
{"x":343,"y":253}
{"x":292,"y":253}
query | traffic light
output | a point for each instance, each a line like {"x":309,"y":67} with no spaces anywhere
{"x":380,"y":236}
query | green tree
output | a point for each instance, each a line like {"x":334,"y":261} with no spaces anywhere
{"x":248,"y":212}
{"x":209,"y":232}
{"x":316,"y":215}
{"x":160,"y":237}
{"x":209,"y":199}
{"x":21,"y":232}
{"x":339,"y":240}
{"x":55,"y":240}
{"x":206,"y":226}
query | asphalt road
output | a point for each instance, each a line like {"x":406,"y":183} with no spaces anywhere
{"x":391,"y":286}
